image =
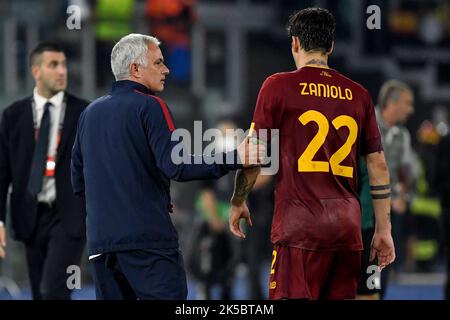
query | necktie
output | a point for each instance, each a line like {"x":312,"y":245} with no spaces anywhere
{"x":40,"y":153}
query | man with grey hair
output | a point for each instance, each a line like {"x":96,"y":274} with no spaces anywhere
{"x":121,"y":164}
{"x":395,"y":105}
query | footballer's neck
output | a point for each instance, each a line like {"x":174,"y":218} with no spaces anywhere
{"x":312,"y":59}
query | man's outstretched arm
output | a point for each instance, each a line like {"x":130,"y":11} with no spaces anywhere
{"x":195,"y":167}
{"x":244,"y":181}
{"x":382,"y":243}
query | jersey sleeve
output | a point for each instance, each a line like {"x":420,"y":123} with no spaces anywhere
{"x":371,"y":137}
{"x":268,"y":111}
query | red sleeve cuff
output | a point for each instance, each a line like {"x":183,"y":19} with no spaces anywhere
{"x":371,"y":145}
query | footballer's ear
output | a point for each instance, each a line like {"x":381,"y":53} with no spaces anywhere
{"x":332,"y":48}
{"x":295,"y":44}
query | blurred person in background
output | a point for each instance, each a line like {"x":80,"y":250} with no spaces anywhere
{"x":171,"y":22}
{"x":257,"y":247}
{"x":36,"y":137}
{"x":113,"y":20}
{"x":425,"y":208}
{"x":213,"y":255}
{"x":395,"y":105}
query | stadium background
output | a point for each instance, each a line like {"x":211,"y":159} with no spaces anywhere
{"x":219,"y":53}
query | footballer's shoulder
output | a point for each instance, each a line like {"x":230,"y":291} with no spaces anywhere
{"x":277,"y":78}
{"x":281,"y":75}
{"x":352,"y":82}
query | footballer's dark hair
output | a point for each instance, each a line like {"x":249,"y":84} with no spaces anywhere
{"x":41,"y":48}
{"x":315,"y":28}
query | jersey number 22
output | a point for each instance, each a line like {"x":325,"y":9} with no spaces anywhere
{"x":306,"y":162}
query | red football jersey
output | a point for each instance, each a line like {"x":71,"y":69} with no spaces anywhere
{"x":325,"y":121}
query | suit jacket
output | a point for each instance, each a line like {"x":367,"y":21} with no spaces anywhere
{"x":16,"y":153}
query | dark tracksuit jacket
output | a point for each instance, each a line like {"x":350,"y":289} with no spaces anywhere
{"x":121,"y":162}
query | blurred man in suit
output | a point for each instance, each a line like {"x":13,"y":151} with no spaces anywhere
{"x":36,"y":136}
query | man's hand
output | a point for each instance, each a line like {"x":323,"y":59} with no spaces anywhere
{"x":251,"y":152}
{"x":238,"y":213}
{"x":383,"y":248}
{"x":2,"y":242}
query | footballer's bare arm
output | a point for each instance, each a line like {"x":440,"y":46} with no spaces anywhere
{"x":245,"y":179}
{"x":382,"y":243}
{"x":243,"y":184}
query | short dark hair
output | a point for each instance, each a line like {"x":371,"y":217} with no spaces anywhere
{"x":315,"y":28}
{"x":41,"y":48}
